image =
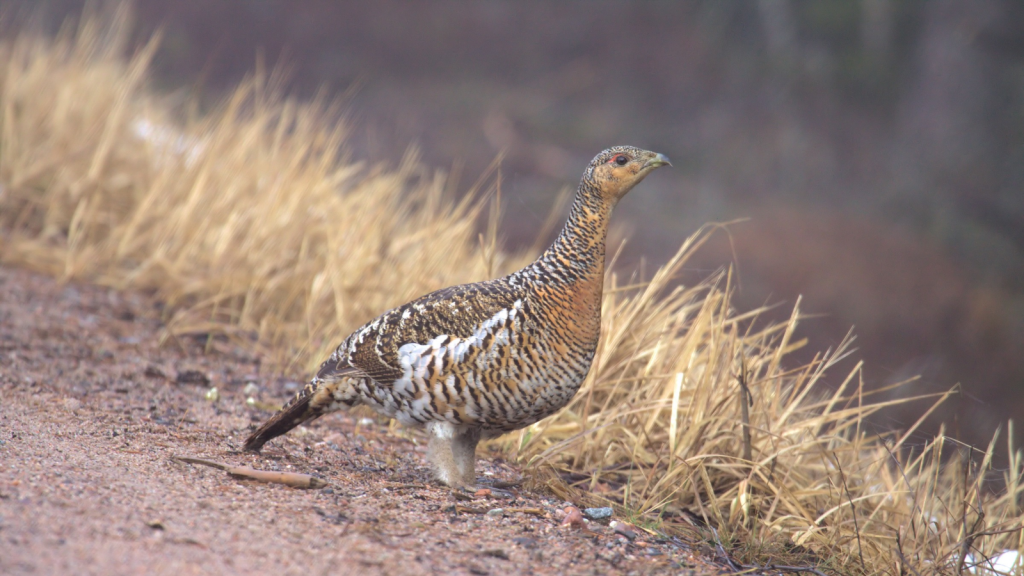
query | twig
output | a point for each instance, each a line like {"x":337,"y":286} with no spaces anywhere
{"x":808,"y":569}
{"x":913,"y":509}
{"x":531,"y":511}
{"x":903,"y":559}
{"x":968,"y":542}
{"x":853,"y":512}
{"x":293,"y":479}
{"x":996,"y":532}
{"x":747,"y":568}
{"x":965,"y":546}
{"x":905,"y":564}
{"x":725,"y":555}
{"x":746,"y":401}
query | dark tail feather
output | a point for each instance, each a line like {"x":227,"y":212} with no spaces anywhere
{"x":297,"y":412}
{"x":311,"y":402}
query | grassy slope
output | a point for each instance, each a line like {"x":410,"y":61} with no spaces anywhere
{"x":250,"y":223}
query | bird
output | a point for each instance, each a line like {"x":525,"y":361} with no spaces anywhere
{"x":478,"y":360}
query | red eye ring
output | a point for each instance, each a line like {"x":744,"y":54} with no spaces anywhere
{"x":619,"y":159}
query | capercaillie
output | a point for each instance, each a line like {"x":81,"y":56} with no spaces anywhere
{"x":478,"y":360}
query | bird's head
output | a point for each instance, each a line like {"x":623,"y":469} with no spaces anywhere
{"x":614,"y":172}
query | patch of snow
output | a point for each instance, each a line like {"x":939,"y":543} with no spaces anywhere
{"x":1005,"y":562}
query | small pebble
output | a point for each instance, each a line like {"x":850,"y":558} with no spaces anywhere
{"x":497,"y":512}
{"x":153,"y":372}
{"x":525,"y":542}
{"x":573,"y":517}
{"x":623,"y":529}
{"x":496,"y":553}
{"x":598,"y":513}
{"x":251,"y":389}
{"x":212,"y":394}
{"x":192,"y":377}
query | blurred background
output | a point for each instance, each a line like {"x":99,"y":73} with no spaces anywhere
{"x":875,"y":146}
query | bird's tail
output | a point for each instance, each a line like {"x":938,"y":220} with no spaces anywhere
{"x":314,"y":400}
{"x":298,"y":411}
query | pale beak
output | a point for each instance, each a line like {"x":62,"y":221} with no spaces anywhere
{"x":658,"y":160}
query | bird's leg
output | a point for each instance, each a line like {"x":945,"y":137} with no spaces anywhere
{"x":464,"y":451}
{"x":441,"y":452}
{"x":452,"y":451}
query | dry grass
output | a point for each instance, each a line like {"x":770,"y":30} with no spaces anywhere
{"x":250,"y":221}
{"x":660,"y":428}
{"x":246,"y":220}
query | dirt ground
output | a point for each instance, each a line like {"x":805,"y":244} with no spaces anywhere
{"x":92,"y":410}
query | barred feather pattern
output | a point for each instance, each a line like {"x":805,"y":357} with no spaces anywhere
{"x":493,"y":356}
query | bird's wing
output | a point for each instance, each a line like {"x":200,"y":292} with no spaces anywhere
{"x":455,"y":312}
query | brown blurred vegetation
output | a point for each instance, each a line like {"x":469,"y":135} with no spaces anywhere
{"x":877,"y":146}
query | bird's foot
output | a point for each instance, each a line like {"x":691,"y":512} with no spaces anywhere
{"x":472,"y":491}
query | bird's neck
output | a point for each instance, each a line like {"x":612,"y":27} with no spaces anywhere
{"x":579,"y":250}
{"x":567,"y":281}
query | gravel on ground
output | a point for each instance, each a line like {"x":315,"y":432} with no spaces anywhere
{"x":93,"y":410}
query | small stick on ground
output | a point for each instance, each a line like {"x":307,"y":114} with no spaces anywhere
{"x":293,"y":479}
{"x":508,"y":484}
{"x":784,"y":568}
{"x":723,"y":554}
{"x":533,"y":511}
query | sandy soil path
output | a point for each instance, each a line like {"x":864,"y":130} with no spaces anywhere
{"x":92,"y":411}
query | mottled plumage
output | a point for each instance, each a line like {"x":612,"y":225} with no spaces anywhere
{"x":479,"y":360}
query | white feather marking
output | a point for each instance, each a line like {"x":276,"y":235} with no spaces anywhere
{"x":415,"y":359}
{"x":442,"y":430}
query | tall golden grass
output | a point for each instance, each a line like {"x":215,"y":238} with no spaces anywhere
{"x":252,"y":222}
{"x":246,"y":220}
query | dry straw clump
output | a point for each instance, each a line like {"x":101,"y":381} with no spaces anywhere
{"x":246,"y":220}
{"x":691,"y":420}
{"x":250,"y":221}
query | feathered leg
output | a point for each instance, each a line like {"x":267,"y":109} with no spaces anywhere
{"x":452,"y":451}
{"x":464,"y":451}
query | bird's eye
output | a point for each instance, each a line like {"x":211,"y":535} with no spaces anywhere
{"x":621,"y":159}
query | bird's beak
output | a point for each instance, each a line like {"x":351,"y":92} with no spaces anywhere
{"x":658,"y":160}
